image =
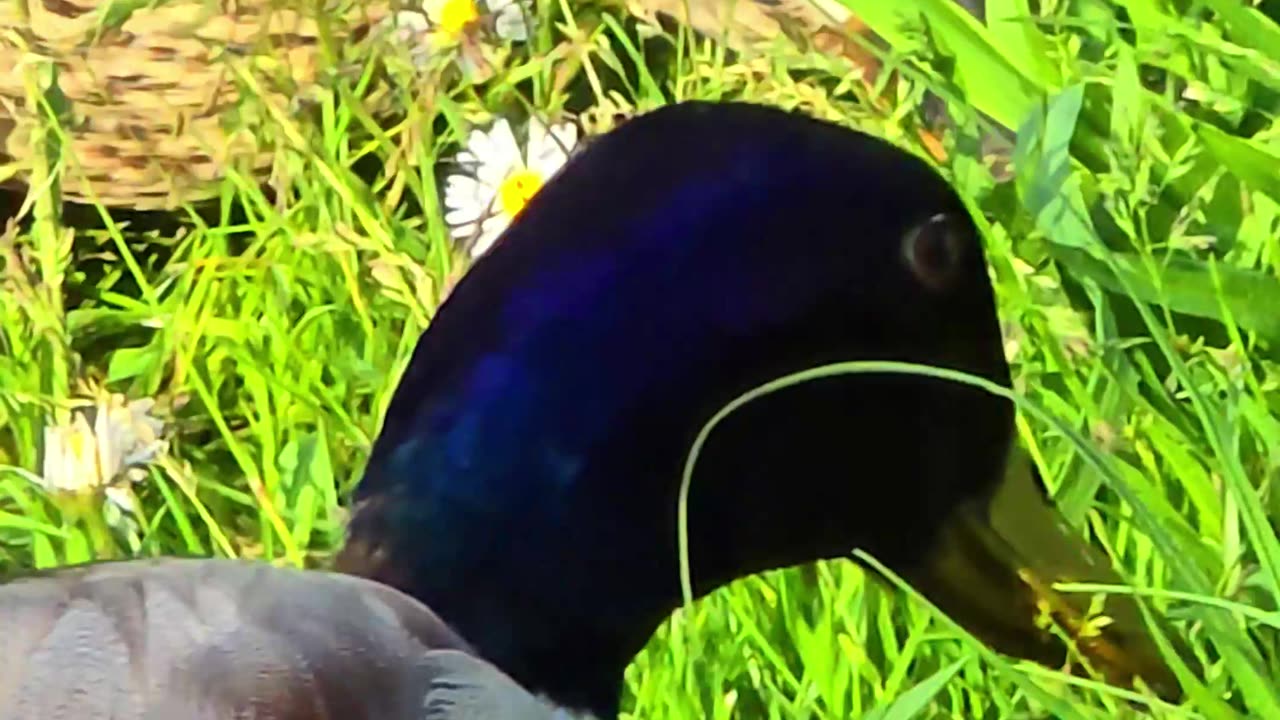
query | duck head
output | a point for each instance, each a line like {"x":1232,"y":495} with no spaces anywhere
{"x":526,"y":478}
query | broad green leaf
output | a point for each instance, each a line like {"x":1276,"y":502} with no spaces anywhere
{"x":1012,"y":28}
{"x":1186,"y":285}
{"x":991,"y":82}
{"x":1048,"y":184}
{"x":1247,"y":26}
{"x":1258,"y":167}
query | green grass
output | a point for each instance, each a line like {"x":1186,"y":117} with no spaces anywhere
{"x":1135,"y":257}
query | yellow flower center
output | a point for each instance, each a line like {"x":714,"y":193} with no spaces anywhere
{"x":456,"y":15}
{"x":517,"y":189}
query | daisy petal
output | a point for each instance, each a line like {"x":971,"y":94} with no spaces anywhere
{"x":464,"y":184}
{"x":504,"y":142}
{"x":433,"y":10}
{"x":480,"y":148}
{"x":566,"y":133}
{"x":510,"y":23}
{"x":552,"y":149}
{"x":457,"y":218}
{"x":489,"y":234}
{"x":462,"y":232}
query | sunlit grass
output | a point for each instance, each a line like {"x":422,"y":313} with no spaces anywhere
{"x":272,"y":336}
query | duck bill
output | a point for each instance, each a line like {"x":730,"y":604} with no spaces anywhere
{"x":993,"y":569}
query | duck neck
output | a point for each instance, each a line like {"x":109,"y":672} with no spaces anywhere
{"x":566,"y":629}
{"x":580,"y":666}
{"x":559,"y":591}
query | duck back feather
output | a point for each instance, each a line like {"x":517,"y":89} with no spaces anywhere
{"x":206,"y":639}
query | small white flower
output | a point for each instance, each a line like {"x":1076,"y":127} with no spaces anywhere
{"x":101,"y":446}
{"x":480,"y":203}
{"x":510,"y":19}
{"x":411,"y":30}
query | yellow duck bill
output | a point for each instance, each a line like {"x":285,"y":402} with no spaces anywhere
{"x":993,"y":569}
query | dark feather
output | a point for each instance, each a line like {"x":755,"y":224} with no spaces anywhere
{"x":213,"y":639}
{"x":463,"y":687}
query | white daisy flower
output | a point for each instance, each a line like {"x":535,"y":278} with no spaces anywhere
{"x":500,"y":179}
{"x":103,"y":449}
{"x":440,"y":24}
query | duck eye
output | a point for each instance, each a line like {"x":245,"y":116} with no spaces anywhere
{"x":934,"y":250}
